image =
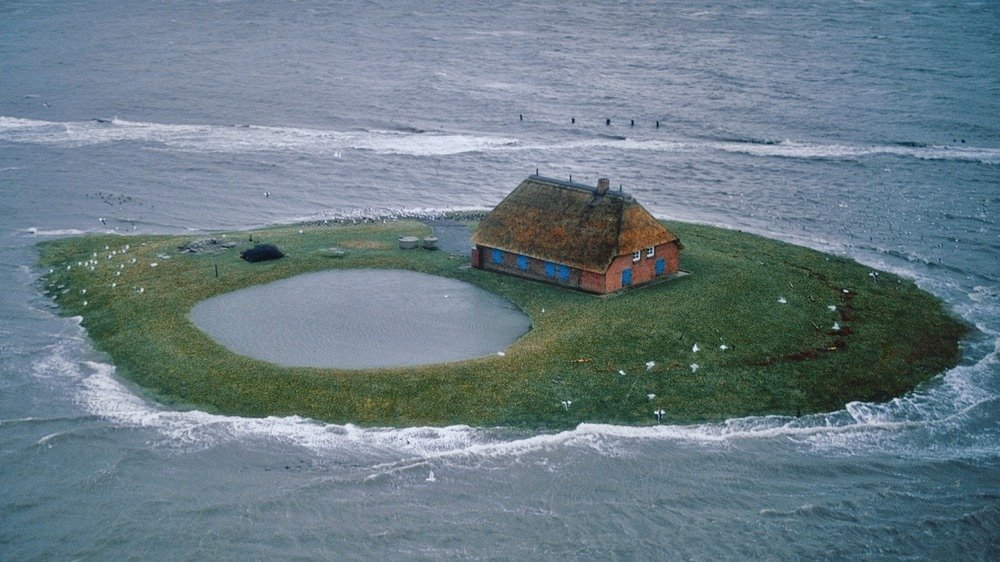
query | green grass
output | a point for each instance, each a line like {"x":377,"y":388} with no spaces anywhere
{"x":782,"y":358}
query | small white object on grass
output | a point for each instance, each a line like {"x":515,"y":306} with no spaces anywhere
{"x":836,"y":326}
{"x":782,"y":300}
{"x":501,"y":354}
{"x":567,"y":403}
{"x":723,"y":347}
{"x":658,"y":414}
{"x":831,"y":307}
{"x":650,"y":365}
{"x":846,"y":291}
{"x":621,"y":372}
{"x":84,"y":303}
{"x":694,"y":367}
{"x":154,"y":264}
{"x":650,"y":396}
{"x":695,"y":349}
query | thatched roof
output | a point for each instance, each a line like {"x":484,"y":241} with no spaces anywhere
{"x":570,"y":223}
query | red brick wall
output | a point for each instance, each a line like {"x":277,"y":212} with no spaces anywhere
{"x":536,"y":268}
{"x":643,"y":271}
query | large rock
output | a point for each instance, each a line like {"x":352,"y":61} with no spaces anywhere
{"x":262,"y":252}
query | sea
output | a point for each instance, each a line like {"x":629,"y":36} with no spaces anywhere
{"x":867,"y":129}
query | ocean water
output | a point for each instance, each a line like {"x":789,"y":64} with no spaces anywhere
{"x":865,"y":129}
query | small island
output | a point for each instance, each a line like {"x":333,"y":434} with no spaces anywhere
{"x":756,"y":327}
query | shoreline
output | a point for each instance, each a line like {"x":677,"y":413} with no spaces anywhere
{"x":756,"y":355}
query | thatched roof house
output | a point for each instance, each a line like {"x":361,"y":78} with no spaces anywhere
{"x":597,"y":240}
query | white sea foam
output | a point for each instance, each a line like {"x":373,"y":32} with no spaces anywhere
{"x":240,"y":139}
{"x":257,"y":138}
{"x":860,"y":427}
{"x":35,"y":231}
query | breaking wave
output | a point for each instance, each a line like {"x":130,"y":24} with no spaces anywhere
{"x":949,"y":404}
{"x":408,"y":141}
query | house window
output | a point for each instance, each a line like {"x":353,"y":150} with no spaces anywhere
{"x":650,"y":252}
{"x":497,"y":256}
{"x":564,"y":272}
{"x":550,"y":269}
{"x":522,"y":263}
{"x":636,"y":256}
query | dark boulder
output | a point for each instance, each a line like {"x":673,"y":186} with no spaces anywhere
{"x":262,"y":252}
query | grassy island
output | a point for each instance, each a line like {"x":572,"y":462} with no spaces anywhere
{"x":780,"y":329}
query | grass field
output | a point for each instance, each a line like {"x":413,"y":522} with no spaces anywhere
{"x":778,"y":357}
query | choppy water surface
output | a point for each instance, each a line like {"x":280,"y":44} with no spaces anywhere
{"x":867,"y":129}
{"x":362,"y":319}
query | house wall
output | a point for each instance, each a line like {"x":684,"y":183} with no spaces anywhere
{"x":535,"y":267}
{"x":643,"y":271}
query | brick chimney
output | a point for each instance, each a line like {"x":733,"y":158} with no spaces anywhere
{"x":602,"y":186}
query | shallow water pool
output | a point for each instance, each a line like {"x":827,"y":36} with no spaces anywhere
{"x":362,"y":319}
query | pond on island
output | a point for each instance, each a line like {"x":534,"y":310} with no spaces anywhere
{"x":362,"y":319}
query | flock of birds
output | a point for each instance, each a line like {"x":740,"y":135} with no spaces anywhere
{"x":659,"y":412}
{"x":95,"y":261}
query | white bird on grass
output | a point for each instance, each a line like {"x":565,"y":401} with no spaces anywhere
{"x":650,"y":396}
{"x":566,"y":404}
{"x":694,"y":367}
{"x":836,"y":326}
{"x":650,"y":365}
{"x":782,"y":300}
{"x":723,"y":347}
{"x":695,"y":349}
{"x":621,"y":372}
{"x":831,"y":307}
{"x":658,"y":414}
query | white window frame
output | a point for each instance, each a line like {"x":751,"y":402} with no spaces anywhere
{"x":637,"y":255}
{"x":650,"y":251}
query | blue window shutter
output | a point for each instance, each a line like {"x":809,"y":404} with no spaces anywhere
{"x":564,"y":272}
{"x":661,"y":266}
{"x":522,"y":263}
{"x":497,"y":256}
{"x":550,"y":269}
{"x":627,"y":277}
